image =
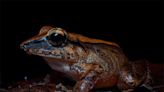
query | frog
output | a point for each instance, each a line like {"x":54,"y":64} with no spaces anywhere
{"x":92,"y":63}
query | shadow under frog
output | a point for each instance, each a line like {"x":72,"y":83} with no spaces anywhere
{"x":92,"y":63}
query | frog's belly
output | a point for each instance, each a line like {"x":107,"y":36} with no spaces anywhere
{"x":63,"y":67}
{"x":106,"y":80}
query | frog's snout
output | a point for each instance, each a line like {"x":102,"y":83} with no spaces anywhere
{"x":23,"y":46}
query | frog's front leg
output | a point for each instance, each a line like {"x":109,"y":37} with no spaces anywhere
{"x":88,"y":78}
{"x":87,"y":83}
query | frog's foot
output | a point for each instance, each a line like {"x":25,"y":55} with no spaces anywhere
{"x":148,"y":87}
{"x":62,"y":88}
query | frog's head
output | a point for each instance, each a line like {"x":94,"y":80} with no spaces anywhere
{"x":59,"y":44}
{"x":54,"y":43}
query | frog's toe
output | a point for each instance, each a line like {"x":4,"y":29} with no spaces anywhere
{"x":132,"y":84}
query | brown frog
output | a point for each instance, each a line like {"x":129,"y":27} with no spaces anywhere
{"x":92,"y":63}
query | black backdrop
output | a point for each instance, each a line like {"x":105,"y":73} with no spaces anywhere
{"x":135,"y":25}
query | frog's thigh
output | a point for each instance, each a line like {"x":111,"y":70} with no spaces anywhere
{"x":106,"y":80}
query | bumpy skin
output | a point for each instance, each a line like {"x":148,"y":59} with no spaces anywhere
{"x":91,"y":62}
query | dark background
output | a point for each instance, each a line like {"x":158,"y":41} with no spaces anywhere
{"x":135,"y":25}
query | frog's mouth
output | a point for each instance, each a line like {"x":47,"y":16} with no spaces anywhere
{"x":44,"y":53}
{"x":36,"y":50}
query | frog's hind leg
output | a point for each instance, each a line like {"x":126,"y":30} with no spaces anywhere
{"x":147,"y":84}
{"x":149,"y":80}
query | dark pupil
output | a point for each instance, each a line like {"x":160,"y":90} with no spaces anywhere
{"x":56,"y":39}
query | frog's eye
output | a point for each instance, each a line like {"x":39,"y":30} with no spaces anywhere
{"x":57,"y":38}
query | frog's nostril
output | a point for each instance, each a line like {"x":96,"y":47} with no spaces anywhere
{"x":24,"y":46}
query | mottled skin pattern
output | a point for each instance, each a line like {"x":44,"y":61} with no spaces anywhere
{"x":92,"y":63}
